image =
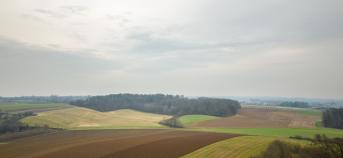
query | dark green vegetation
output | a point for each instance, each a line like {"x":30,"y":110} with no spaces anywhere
{"x":295,"y":104}
{"x":161,"y":104}
{"x":10,"y":122}
{"x":186,"y":120}
{"x":172,"y":122}
{"x":333,"y":118}
{"x":320,"y":147}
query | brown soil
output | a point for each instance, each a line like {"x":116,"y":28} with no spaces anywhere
{"x":263,"y":117}
{"x":110,"y":143}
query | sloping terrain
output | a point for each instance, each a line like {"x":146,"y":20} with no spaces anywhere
{"x":83,"y":118}
{"x":239,"y":147}
{"x":277,"y":132}
{"x":250,"y":117}
{"x":111,"y":143}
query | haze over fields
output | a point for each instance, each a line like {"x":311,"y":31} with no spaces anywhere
{"x":171,"y":79}
{"x":196,"y":48}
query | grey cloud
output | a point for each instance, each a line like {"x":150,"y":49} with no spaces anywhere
{"x":120,"y":19}
{"x":150,"y":42}
{"x":266,"y":47}
{"x":58,"y":13}
{"x":294,"y":21}
{"x":147,"y":43}
{"x":49,"y":13}
{"x":75,"y":9}
{"x":25,"y":68}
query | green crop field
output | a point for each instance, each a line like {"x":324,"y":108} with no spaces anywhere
{"x":14,"y":107}
{"x":319,"y":124}
{"x":83,"y":118}
{"x":278,"y":132}
{"x":303,"y":111}
{"x":239,"y":147}
{"x":188,"y":120}
{"x":307,"y":111}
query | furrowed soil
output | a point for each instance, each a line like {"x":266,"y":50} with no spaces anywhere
{"x":263,"y":118}
{"x":110,"y":143}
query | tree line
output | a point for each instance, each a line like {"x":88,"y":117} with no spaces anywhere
{"x":333,"y":118}
{"x":172,"y":122}
{"x":295,"y":104}
{"x":161,"y":104}
{"x":9,"y":122}
{"x":320,"y":147}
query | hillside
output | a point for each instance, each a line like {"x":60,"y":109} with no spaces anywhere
{"x":83,"y":118}
{"x":252,"y":117}
{"x":139,"y":143}
{"x":161,"y":104}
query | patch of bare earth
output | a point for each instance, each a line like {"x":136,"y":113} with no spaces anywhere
{"x":111,"y":143}
{"x":263,"y":118}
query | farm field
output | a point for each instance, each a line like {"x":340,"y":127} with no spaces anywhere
{"x":190,"y":120}
{"x":278,"y":132}
{"x":238,"y":147}
{"x":132,"y":133}
{"x":84,"y":118}
{"x":35,"y":107}
{"x":311,"y":112}
{"x":252,"y":117}
{"x":111,"y":143}
{"x":303,"y":111}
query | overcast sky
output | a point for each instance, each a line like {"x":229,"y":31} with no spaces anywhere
{"x":290,"y":48}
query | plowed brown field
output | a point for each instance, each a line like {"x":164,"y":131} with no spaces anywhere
{"x":110,"y":143}
{"x":263,"y":117}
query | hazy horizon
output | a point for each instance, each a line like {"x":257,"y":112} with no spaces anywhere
{"x":192,"y":48}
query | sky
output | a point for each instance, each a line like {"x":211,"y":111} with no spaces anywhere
{"x":286,"y":48}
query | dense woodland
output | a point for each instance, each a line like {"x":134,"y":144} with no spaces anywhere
{"x":161,"y":104}
{"x":296,"y":104}
{"x":333,"y":118}
{"x":9,"y":122}
{"x":320,"y":147}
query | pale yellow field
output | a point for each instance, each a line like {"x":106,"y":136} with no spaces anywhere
{"x":84,"y":118}
{"x":239,"y":147}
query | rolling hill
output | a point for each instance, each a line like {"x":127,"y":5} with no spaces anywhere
{"x":84,"y":118}
{"x":266,"y":117}
{"x":238,"y":147}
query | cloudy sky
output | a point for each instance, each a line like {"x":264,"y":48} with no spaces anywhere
{"x":290,"y":48}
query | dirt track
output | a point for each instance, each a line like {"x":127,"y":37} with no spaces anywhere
{"x":110,"y":143}
{"x":263,"y":117}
